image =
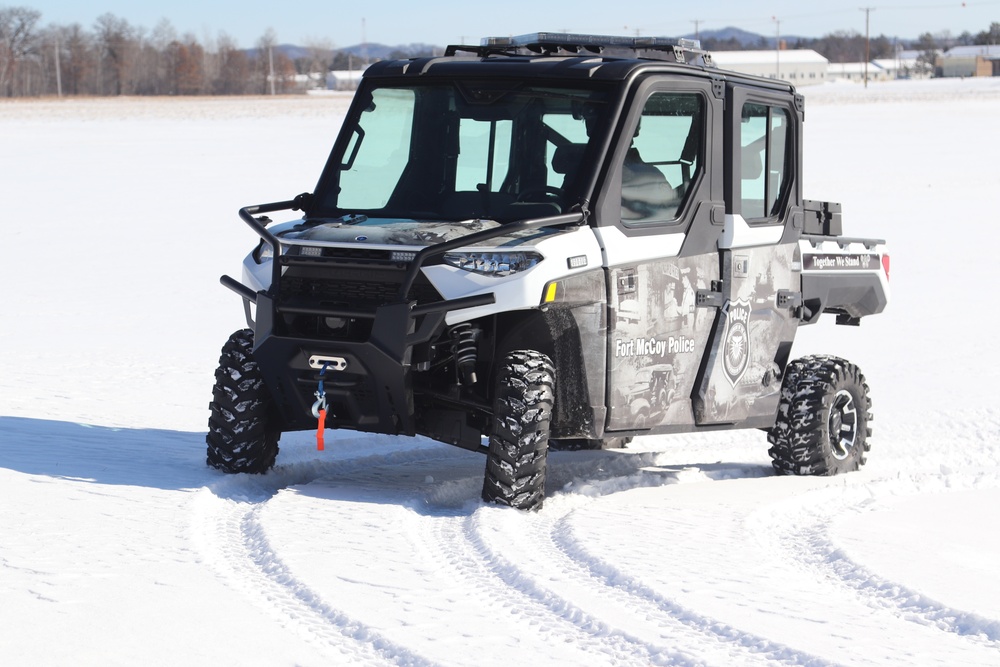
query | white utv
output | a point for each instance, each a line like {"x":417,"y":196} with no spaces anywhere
{"x":552,"y":241}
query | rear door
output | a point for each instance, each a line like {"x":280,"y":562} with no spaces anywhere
{"x":752,"y":341}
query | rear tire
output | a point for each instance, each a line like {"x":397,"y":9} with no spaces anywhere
{"x":519,"y":442}
{"x":823,"y":418}
{"x":242,"y":428}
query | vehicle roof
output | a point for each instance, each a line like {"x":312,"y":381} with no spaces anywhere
{"x":569,"y":57}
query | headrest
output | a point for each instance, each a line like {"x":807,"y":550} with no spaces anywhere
{"x":567,"y":157}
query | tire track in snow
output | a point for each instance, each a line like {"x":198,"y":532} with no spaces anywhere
{"x":228,"y":527}
{"x":550,"y":619}
{"x":804,"y":533}
{"x":658,"y":627}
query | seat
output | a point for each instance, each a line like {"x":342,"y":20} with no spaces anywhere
{"x":646,"y":193}
{"x":566,"y":160}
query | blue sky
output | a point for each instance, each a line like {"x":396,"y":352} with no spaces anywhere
{"x":396,"y":22}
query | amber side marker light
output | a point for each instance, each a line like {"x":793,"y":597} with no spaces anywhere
{"x":549,"y":295}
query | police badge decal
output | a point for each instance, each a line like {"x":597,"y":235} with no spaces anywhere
{"x":736,"y":348}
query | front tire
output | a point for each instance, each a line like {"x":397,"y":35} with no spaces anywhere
{"x":242,"y":428}
{"x":823,"y":418}
{"x":519,"y":442}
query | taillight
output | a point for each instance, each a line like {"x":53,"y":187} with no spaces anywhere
{"x":885,"y":265}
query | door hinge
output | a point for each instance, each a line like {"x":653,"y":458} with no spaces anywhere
{"x":712,"y":298}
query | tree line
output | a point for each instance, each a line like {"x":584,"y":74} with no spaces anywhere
{"x":118,"y":58}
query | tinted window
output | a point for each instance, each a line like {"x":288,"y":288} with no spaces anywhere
{"x":379,"y":145}
{"x":463,"y":149}
{"x":764,"y":150}
{"x":664,"y":158}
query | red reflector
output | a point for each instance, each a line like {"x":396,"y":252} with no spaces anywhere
{"x":885,"y":265}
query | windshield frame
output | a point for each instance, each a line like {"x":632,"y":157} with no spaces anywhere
{"x":533,"y":117}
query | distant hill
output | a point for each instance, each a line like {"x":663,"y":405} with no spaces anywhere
{"x":292,"y":51}
{"x":373,"y":50}
{"x":736,"y":38}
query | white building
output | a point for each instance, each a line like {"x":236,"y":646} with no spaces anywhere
{"x":856,"y":72}
{"x":344,"y":79}
{"x":800,"y":67}
{"x":906,"y":65}
{"x":979,"y":60}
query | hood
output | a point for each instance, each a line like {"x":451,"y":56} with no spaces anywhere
{"x":387,"y":231}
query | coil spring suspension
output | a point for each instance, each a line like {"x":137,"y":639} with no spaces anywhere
{"x":463,"y":346}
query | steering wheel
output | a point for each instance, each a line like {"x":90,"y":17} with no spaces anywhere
{"x":540,"y":194}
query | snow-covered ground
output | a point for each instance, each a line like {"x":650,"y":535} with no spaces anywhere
{"x":118,"y":546}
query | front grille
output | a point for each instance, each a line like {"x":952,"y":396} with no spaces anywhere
{"x":358,"y":255}
{"x":327,"y":286}
{"x":353,"y":294}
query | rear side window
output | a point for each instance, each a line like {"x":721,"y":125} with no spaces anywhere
{"x":764,"y":158}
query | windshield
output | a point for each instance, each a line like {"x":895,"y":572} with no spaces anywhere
{"x":459,"y":150}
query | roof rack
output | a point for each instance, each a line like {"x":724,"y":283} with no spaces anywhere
{"x":571,"y":44}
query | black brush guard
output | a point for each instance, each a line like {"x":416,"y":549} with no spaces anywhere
{"x":373,"y":391}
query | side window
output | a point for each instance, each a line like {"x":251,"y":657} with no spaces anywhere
{"x":664,"y":158}
{"x":764,"y":150}
{"x":484,"y":154}
{"x":378,"y":152}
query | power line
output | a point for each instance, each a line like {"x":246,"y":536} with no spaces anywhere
{"x":760,"y":20}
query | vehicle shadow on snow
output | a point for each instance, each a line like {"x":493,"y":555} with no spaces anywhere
{"x":448,"y":482}
{"x":427,"y":477}
{"x":602,"y":473}
{"x":170,"y":460}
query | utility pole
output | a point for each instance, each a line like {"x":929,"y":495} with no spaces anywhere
{"x":364,"y":41}
{"x":58,"y":70}
{"x":868,"y":47}
{"x":777,"y":47}
{"x":697,"y":33}
{"x":270,"y":66}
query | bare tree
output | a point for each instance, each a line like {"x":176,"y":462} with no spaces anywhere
{"x":320,"y":53}
{"x":116,"y":39}
{"x":17,"y":40}
{"x":79,"y":69}
{"x":234,"y":68}
{"x":991,"y":36}
{"x":150,"y":72}
{"x":187,"y":67}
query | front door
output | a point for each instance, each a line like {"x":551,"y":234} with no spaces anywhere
{"x":661,"y":217}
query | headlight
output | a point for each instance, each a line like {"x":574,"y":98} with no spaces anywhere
{"x":498,"y":264}
{"x":263,"y":253}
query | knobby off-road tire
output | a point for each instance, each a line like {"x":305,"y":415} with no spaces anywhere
{"x":519,"y":443}
{"x":823,"y":418}
{"x":242,"y":427}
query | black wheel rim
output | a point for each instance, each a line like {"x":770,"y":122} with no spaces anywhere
{"x":843,"y":425}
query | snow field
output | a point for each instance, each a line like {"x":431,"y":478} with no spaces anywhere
{"x":120,"y":546}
